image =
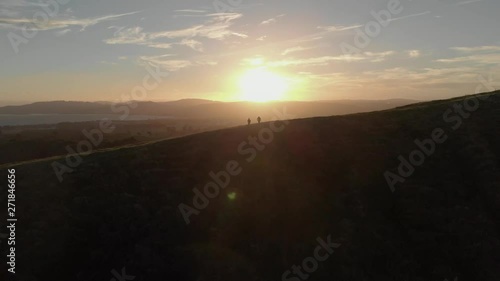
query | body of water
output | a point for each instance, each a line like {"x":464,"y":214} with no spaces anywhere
{"x":37,"y":119}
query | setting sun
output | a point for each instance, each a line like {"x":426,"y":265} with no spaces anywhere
{"x":261,"y":85}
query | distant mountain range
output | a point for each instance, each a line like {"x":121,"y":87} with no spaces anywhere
{"x":199,"y":108}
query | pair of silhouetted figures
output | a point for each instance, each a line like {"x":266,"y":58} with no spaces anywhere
{"x":250,"y":120}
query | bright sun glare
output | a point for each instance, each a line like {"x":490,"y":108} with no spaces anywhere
{"x":261,"y":85}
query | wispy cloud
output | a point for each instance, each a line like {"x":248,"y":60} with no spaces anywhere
{"x":424,"y":75}
{"x":191,"y":11}
{"x":413,"y":53}
{"x":58,"y":23}
{"x":337,"y":28}
{"x":477,"y":49}
{"x":411,"y":79}
{"x":326,"y":60}
{"x":216,"y":28}
{"x":477,"y":54}
{"x":21,"y":3}
{"x":272,"y":20}
{"x":476,"y":58}
{"x":193,"y":44}
{"x":468,"y":2}
{"x":160,"y":45}
{"x":295,"y":50}
{"x":410,"y":16}
{"x":108,"y":62}
{"x":378,"y":57}
{"x":132,"y":35}
{"x":63,"y":32}
{"x":165,"y":62}
{"x":169,"y":64}
{"x":315,"y":61}
{"x":9,"y":13}
{"x":136,"y":36}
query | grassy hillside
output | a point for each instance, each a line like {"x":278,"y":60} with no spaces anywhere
{"x":318,"y":177}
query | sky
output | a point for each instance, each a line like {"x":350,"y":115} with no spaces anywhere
{"x":97,"y":50}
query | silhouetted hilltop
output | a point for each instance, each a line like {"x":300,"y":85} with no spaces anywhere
{"x":56,"y":107}
{"x":317,"y":177}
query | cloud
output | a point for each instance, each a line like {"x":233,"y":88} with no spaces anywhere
{"x":425,"y":75}
{"x":193,"y":44}
{"x":478,"y":54}
{"x":173,"y":65}
{"x":326,"y":60}
{"x":467,"y":2}
{"x":478,"y":58}
{"x":315,"y":61}
{"x":58,"y":23}
{"x":63,"y":32}
{"x":294,"y":50}
{"x":380,"y":80}
{"x":272,"y":20}
{"x":410,"y":16}
{"x":409,"y":79}
{"x":166,"y":63}
{"x":160,"y":45}
{"x":413,"y":53}
{"x":21,"y":3}
{"x":337,"y":28}
{"x":190,"y":11}
{"x":8,"y":13}
{"x":477,"y":49}
{"x":378,"y":57}
{"x":135,"y":35}
{"x":132,"y":35}
{"x":216,"y":28}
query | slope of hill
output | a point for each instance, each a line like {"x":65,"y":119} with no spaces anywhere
{"x":317,"y":178}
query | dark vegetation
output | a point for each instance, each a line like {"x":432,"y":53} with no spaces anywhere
{"x":25,"y":143}
{"x":320,"y":176}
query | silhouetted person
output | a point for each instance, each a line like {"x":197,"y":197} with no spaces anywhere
{"x":249,"y":121}
{"x":259,"y":119}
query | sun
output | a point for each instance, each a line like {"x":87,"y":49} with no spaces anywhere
{"x":262,"y":85}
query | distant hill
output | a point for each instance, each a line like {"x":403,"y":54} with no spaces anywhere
{"x":198,"y":108}
{"x":318,"y":177}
